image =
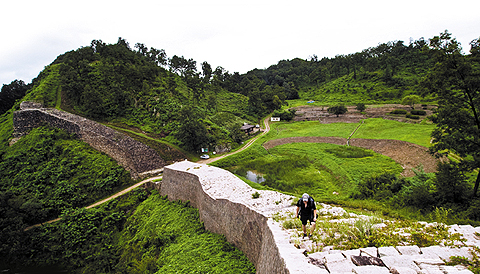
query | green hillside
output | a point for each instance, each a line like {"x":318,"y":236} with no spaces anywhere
{"x":175,"y":107}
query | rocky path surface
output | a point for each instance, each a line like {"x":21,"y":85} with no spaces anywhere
{"x":401,"y":259}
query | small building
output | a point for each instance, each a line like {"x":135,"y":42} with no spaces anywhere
{"x":247,"y":128}
{"x":275,"y":119}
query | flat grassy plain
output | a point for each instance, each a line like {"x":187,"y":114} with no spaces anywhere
{"x":375,"y":128}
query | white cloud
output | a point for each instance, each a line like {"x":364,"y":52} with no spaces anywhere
{"x":237,"y":35}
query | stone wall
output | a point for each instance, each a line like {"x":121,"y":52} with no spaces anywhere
{"x":226,"y":207}
{"x":134,"y":156}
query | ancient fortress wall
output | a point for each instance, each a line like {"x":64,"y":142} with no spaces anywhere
{"x":134,"y":156}
{"x":226,"y":206}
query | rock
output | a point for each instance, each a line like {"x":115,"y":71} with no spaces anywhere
{"x":458,"y":269}
{"x":400,"y":261}
{"x":408,"y":250}
{"x":444,"y":253}
{"x":379,"y":226}
{"x":428,"y":261}
{"x":431,"y":270}
{"x":341,"y":267}
{"x":316,"y":262}
{"x":370,"y":251}
{"x":349,"y":253}
{"x":387,"y":251}
{"x":367,"y":260}
{"x":402,"y":270}
{"x":336,"y":257}
{"x":307,"y":245}
{"x":318,"y":257}
{"x":369,"y":269}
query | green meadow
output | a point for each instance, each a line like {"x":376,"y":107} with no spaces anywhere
{"x":328,"y":172}
{"x":375,"y":128}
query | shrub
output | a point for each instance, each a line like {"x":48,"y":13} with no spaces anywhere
{"x":285,"y":115}
{"x":399,"y":111}
{"x":450,"y":184}
{"x":418,"y":112}
{"x":360,"y":107}
{"x":379,"y":187}
{"x":411,"y":116}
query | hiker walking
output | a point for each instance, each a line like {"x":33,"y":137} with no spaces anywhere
{"x":307,"y":212}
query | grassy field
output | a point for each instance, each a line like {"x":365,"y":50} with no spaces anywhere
{"x":329,"y":172}
{"x":386,"y":129}
{"x":371,"y":129}
{"x":310,"y":128}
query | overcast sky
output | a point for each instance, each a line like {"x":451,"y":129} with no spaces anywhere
{"x":237,"y":35}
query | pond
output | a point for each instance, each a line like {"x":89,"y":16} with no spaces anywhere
{"x":254,"y":177}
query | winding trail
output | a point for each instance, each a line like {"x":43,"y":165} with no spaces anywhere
{"x":250,"y":142}
{"x":118,"y":194}
{"x":126,"y":190}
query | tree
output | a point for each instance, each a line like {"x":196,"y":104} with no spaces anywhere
{"x":337,"y":110}
{"x":455,"y":81}
{"x":411,"y":100}
{"x":192,"y":132}
{"x":360,"y":107}
{"x":207,"y":72}
{"x":10,"y":93}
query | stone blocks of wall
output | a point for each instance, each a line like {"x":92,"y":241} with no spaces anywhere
{"x":134,"y":156}
{"x":226,"y":207}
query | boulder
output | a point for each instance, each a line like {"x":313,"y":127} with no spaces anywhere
{"x":387,"y":251}
{"x":369,"y":269}
{"x":402,"y":270}
{"x":400,"y":261}
{"x":367,"y":260}
{"x":408,"y":250}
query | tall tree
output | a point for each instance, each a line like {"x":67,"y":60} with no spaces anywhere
{"x":207,"y":72}
{"x":192,"y":132}
{"x":455,"y":81}
{"x":10,"y":93}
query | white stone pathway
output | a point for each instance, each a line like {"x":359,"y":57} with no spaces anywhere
{"x":399,"y":259}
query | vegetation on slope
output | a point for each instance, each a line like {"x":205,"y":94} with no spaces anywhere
{"x":143,"y":91}
{"x":137,"y":233}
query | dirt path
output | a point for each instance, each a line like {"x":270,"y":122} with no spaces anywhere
{"x":118,"y":194}
{"x":406,"y":154}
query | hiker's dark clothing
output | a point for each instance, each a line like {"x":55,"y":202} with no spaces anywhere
{"x":306,"y":213}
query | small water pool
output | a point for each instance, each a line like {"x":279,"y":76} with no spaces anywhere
{"x":254,"y":177}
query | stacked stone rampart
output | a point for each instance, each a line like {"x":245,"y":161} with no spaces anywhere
{"x":134,"y":156}
{"x":226,"y":206}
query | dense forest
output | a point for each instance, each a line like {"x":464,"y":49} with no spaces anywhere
{"x":189,"y":106}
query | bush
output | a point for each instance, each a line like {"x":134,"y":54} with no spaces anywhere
{"x":399,"y":111}
{"x":285,"y":115}
{"x":360,"y":107}
{"x":411,"y":116}
{"x":418,"y":112}
{"x":379,"y":187}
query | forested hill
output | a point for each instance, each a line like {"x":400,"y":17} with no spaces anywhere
{"x":142,"y":89}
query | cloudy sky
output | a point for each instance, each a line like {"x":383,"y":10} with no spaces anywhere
{"x":237,"y":35}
